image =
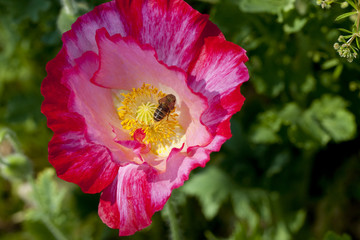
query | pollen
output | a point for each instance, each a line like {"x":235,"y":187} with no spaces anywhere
{"x":136,"y":110}
{"x":145,"y":112}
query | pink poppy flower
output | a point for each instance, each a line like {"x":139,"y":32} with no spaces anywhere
{"x":103,"y":89}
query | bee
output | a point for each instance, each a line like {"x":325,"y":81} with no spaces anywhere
{"x":166,"y":104}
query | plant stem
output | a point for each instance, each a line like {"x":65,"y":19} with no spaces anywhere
{"x":174,"y":227}
{"x":351,"y":39}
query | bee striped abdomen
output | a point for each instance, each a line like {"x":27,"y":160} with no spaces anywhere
{"x":166,"y":104}
{"x":160,"y":112}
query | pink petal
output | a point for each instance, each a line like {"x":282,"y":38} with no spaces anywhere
{"x":95,"y":104}
{"x":81,"y":37}
{"x":74,"y":157}
{"x":126,"y":203}
{"x":173,"y":28}
{"x":130,"y":201}
{"x":218,"y":74}
{"x":137,"y":64}
{"x":164,"y":43}
{"x":137,"y":145}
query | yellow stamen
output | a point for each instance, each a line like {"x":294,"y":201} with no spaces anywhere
{"x":136,"y":111}
{"x":145,"y":112}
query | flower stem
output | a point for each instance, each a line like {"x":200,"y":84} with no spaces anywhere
{"x":174,"y":227}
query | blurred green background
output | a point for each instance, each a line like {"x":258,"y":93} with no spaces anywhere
{"x":290,"y":171}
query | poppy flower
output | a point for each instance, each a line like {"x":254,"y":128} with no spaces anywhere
{"x":116,"y":67}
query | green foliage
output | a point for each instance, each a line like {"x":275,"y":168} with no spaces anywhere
{"x":52,"y":213}
{"x":24,"y":9}
{"x":47,"y":196}
{"x":326,"y":119}
{"x":290,"y":171}
{"x":333,"y":236}
{"x":212,"y":188}
{"x":271,"y":6}
{"x":255,"y":209}
{"x":14,"y":165}
{"x":47,"y":199}
{"x":347,"y":45}
{"x":65,"y":20}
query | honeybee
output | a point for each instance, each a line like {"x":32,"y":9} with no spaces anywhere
{"x":166,"y":104}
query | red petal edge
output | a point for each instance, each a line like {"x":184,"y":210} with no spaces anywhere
{"x":217,"y":74}
{"x":75,"y":158}
{"x":172,"y":27}
{"x":145,"y":191}
{"x":126,"y":204}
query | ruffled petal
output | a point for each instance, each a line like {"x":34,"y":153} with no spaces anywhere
{"x":121,"y":45}
{"x":124,"y":64}
{"x":81,"y":37}
{"x":75,"y":158}
{"x":130,"y":201}
{"x":173,"y":28}
{"x":218,"y":74}
{"x":96,"y":105}
{"x":126,"y":204}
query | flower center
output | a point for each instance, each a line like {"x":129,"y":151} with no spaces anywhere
{"x":136,"y":110}
{"x":145,"y":112}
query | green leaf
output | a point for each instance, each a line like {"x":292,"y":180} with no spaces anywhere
{"x":210,"y":1}
{"x":308,"y":85}
{"x":326,"y":119}
{"x":243,"y":208}
{"x":270,"y":6}
{"x":23,"y":9}
{"x":20,"y":108}
{"x":241,"y":231}
{"x":265,"y":135}
{"x":352,"y":4}
{"x":297,"y":25}
{"x":65,"y":20}
{"x":290,"y":113}
{"x":38,"y":230}
{"x":345,"y":30}
{"x":330,"y":235}
{"x":48,"y":199}
{"x":270,"y":122}
{"x":333,"y":117}
{"x":272,"y":86}
{"x":280,"y":160}
{"x":312,"y":134}
{"x":211,"y":187}
{"x":266,"y":131}
{"x":48,"y":194}
{"x":9,"y":143}
{"x":16,"y":167}
{"x":298,"y":220}
{"x":338,"y":70}
{"x":345,"y":15}
{"x":330,"y":63}
{"x":301,"y":139}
